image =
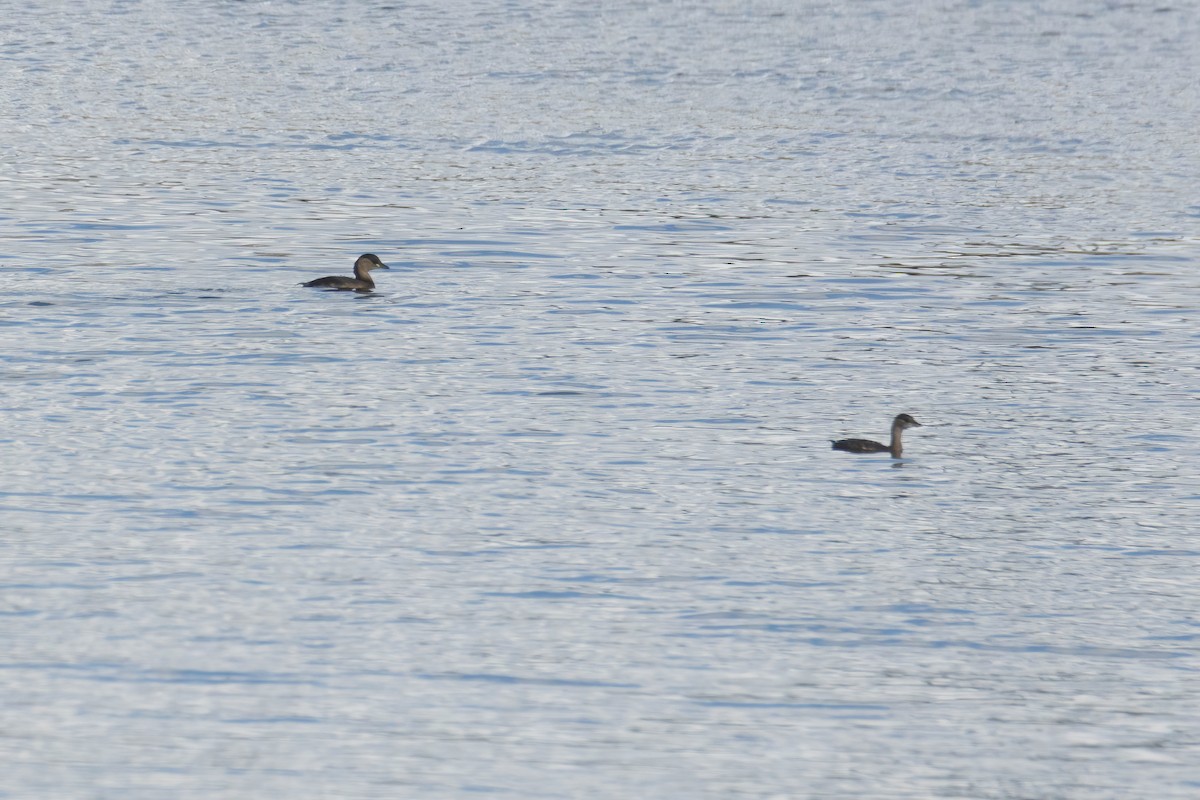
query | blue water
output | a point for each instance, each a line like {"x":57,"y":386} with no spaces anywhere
{"x":553,"y":513}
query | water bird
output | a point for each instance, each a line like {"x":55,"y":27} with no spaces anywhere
{"x":901,"y":423}
{"x":361,"y":282}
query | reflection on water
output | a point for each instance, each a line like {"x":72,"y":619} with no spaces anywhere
{"x":553,"y":512}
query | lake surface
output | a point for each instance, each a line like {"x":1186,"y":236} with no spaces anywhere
{"x":553,"y":513}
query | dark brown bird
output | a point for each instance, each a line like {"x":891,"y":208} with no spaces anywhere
{"x":901,"y":423}
{"x":361,"y":282}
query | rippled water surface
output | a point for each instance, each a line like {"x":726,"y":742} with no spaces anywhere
{"x":553,"y":513}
